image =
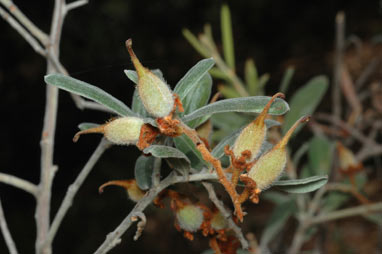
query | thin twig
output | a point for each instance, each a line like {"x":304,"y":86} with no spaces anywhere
{"x":19,"y":183}
{"x":47,"y":139}
{"x":227,"y":214}
{"x":348,"y":212}
{"x":22,"y":31}
{"x":113,"y":237}
{"x":6,"y":233}
{"x":340,"y":43}
{"x":141,"y":224}
{"x":75,"y":4}
{"x":73,"y":189}
{"x":25,"y":21}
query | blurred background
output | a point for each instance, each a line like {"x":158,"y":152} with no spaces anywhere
{"x":276,"y":34}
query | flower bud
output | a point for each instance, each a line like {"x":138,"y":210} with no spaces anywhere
{"x":218,"y":222}
{"x":348,"y":162}
{"x":121,"y":131}
{"x":131,"y":186}
{"x":269,"y":166}
{"x":252,"y":136}
{"x":190,"y":217}
{"x":155,"y":94}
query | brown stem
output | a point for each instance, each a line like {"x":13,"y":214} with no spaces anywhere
{"x":98,"y":129}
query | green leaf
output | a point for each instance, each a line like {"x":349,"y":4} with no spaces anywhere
{"x":185,"y":144}
{"x":287,"y":77}
{"x":85,"y":126}
{"x":305,"y":101}
{"x":143,"y":171}
{"x":191,"y":38}
{"x":320,"y":155}
{"x":161,"y":151}
{"x":191,"y":79}
{"x":263,"y":80}
{"x":198,"y":97}
{"x":227,"y":37}
{"x":253,"y":104}
{"x":89,"y":91}
{"x":275,"y":197}
{"x":302,"y":185}
{"x":218,"y":74}
{"x":228,"y":92}
{"x":181,"y":166}
{"x":133,"y":76}
{"x":251,"y":77}
{"x":277,"y":220}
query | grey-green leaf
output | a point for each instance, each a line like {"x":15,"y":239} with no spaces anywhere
{"x":192,"y":78}
{"x":137,"y":105}
{"x":320,"y":155}
{"x":85,"y":126}
{"x":198,"y":97}
{"x":133,"y":76}
{"x":305,"y":101}
{"x":185,"y":144}
{"x":227,"y":37}
{"x":143,"y":171}
{"x":302,"y":185}
{"x":161,"y":151}
{"x":89,"y":91}
{"x":253,"y":104}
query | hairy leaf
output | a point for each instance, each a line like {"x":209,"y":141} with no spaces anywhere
{"x":162,"y":151}
{"x":302,"y":185}
{"x":305,"y":101}
{"x":253,"y":104}
{"x":143,"y":171}
{"x":85,"y":126}
{"x":185,"y":144}
{"x":89,"y":91}
{"x":191,"y":79}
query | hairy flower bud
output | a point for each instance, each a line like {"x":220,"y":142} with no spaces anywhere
{"x":155,"y":94}
{"x":190,"y":217}
{"x":347,"y":159}
{"x":218,"y":222}
{"x":270,"y":166}
{"x":252,"y":136}
{"x":121,"y":131}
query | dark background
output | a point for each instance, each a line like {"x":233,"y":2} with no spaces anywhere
{"x":275,"y":33}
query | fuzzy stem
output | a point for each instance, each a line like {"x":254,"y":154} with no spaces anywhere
{"x":137,"y":64}
{"x":98,"y":129}
{"x":260,"y":119}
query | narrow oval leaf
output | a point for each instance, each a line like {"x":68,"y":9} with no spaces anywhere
{"x":302,"y":185}
{"x":137,"y":105}
{"x":227,"y":37}
{"x":192,"y":78}
{"x":85,"y":126}
{"x":185,"y":144}
{"x":305,"y":101}
{"x":143,"y":171}
{"x":253,"y":104}
{"x":89,"y":91}
{"x":133,"y":76}
{"x":161,"y":151}
{"x":320,"y":155}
